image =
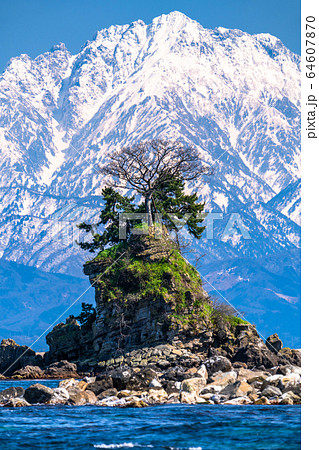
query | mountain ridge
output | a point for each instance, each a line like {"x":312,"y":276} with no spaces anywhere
{"x":234,"y":96}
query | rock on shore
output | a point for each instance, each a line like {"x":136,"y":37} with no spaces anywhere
{"x":135,"y":387}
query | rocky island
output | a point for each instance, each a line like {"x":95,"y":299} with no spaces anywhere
{"x":155,"y":337}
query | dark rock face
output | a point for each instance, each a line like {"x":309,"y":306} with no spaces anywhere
{"x":256,"y":357}
{"x":273,"y":343}
{"x":38,"y":393}
{"x":69,"y":341}
{"x":290,"y":356}
{"x":11,"y":392}
{"x":251,"y":350}
{"x":62,"y":369}
{"x":13,"y":357}
{"x":29,"y":372}
{"x":101,"y":385}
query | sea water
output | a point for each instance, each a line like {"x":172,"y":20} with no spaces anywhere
{"x":185,"y":427}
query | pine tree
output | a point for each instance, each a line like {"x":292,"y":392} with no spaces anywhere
{"x":115,"y":204}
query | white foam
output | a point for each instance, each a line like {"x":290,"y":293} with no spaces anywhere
{"x":124,"y":445}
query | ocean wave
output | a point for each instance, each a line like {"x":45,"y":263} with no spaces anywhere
{"x":124,"y":445}
{"x":131,"y":445}
{"x":185,"y":448}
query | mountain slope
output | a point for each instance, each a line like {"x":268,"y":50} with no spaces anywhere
{"x":32,"y":300}
{"x":235,"y":96}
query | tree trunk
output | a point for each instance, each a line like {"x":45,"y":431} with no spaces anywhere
{"x":148,"y":206}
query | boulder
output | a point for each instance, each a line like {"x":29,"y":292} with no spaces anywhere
{"x":251,"y":375}
{"x":29,"y":372}
{"x":38,"y":393}
{"x":290,"y":398}
{"x":290,"y":382}
{"x":62,"y":369}
{"x":101,"y":385}
{"x":82,"y":385}
{"x":17,"y":402}
{"x":190,"y":398}
{"x":206,"y":396}
{"x":286,"y":401}
{"x":237,"y":389}
{"x":176,"y":373}
{"x":89,"y":379}
{"x":108,"y":393}
{"x":193,"y":385}
{"x":156,"y":396}
{"x":273,"y":380}
{"x":262,"y":401}
{"x":271,"y":391}
{"x":155,"y":383}
{"x":273,"y":343}
{"x":210,"y":389}
{"x":202,"y":371}
{"x":223,"y":379}
{"x":239,"y":401}
{"x":124,"y":393}
{"x":121,"y":377}
{"x":217,"y":398}
{"x":253,"y":397}
{"x":10,"y":393}
{"x":78,"y":397}
{"x":288,"y":370}
{"x":68,"y":383}
{"x":173,"y":398}
{"x":217,"y":363}
{"x":138,"y":403}
{"x":90,"y":396}
{"x":171,"y":387}
{"x":60,"y":395}
{"x":111,"y":401}
{"x":127,"y":378}
{"x":258,"y":385}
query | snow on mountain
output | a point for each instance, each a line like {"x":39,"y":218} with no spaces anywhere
{"x":233,"y":95}
{"x":288,"y":201}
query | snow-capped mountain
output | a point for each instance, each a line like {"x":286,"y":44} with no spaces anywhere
{"x":288,"y":201}
{"x":235,"y":96}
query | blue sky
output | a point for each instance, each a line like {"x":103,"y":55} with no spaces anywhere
{"x":33,"y":26}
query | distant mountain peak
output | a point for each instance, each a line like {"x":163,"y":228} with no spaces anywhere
{"x":172,"y":78}
{"x":59,"y":47}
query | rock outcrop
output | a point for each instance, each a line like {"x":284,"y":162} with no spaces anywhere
{"x":150,"y":296}
{"x":14,"y":357}
{"x":69,"y":341}
{"x":151,"y":309}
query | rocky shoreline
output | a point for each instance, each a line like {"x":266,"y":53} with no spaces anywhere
{"x":191,"y":372}
{"x":127,"y":387}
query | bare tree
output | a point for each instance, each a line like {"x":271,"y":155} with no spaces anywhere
{"x":148,"y":165}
